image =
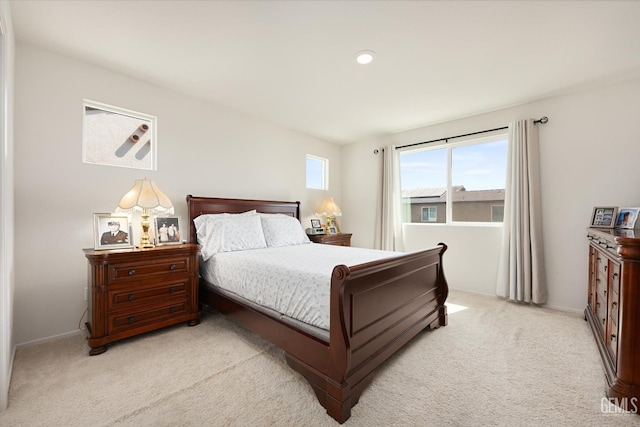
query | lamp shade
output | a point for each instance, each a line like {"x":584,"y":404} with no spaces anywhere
{"x":145,"y":194}
{"x":329,"y":208}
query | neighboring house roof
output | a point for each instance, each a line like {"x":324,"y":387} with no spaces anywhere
{"x":460,"y":194}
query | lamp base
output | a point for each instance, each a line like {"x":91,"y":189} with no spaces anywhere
{"x":144,"y":237}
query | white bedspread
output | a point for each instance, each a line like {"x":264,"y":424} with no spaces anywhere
{"x":293,"y":280}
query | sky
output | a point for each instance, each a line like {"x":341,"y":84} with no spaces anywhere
{"x":476,"y":167}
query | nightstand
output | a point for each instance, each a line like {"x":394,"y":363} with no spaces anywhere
{"x":340,"y":239}
{"x":132,"y":291}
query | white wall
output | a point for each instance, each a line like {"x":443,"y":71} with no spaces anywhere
{"x":203,"y":150}
{"x":7,"y":64}
{"x":589,"y":157}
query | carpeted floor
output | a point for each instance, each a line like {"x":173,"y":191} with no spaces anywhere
{"x":496,"y":363}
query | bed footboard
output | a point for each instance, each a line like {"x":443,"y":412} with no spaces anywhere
{"x":376,"y":308}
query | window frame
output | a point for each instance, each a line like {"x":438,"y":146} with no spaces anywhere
{"x":428,"y":220}
{"x":325,"y":172}
{"x":449,"y":146}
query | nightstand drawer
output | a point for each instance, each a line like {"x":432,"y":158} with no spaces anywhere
{"x":134,"y":271}
{"x":123,"y":322}
{"x":140,"y":295}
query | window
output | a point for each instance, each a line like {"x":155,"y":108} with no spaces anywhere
{"x":497,"y":213}
{"x":317,"y":173}
{"x":465,"y":181}
{"x":429,"y":214}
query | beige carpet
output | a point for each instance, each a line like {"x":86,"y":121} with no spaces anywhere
{"x":496,"y":363}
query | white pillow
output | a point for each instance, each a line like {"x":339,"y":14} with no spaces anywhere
{"x":282,"y":230}
{"x":228,"y":233}
{"x":201,"y":221}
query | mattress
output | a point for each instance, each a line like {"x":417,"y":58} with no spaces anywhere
{"x":293,"y":280}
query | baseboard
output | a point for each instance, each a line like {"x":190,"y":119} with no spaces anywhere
{"x":48,"y":339}
{"x":579,"y":312}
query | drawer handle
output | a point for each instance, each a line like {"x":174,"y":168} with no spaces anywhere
{"x":613,"y":337}
{"x":172,"y":289}
{"x":603,"y":321}
{"x":597,"y":304}
{"x":132,"y":297}
{"x":605,"y":292}
{"x":131,"y":319}
{"x":597,"y":280}
{"x":132,"y":272}
{"x":605,"y":268}
{"x":599,"y":259}
{"x":614,"y":275}
{"x":173,"y":309}
{"x":613,"y":304}
{"x":172,"y":267}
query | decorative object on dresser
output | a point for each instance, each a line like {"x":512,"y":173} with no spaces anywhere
{"x":145,"y":196}
{"x":138,"y":290}
{"x":613,"y":310}
{"x":111,"y":231}
{"x":342,"y":239}
{"x":168,"y":230}
{"x":374,"y":308}
{"x":331,"y":210}
{"x":604,"y":217}
{"x":627,"y":217}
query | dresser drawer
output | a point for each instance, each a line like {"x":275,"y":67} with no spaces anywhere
{"x":133,"y":296}
{"x":126,"y":272}
{"x":615,"y":277}
{"x":124,"y":322}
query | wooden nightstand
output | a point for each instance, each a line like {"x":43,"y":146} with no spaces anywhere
{"x":341,"y":239}
{"x":138,"y":290}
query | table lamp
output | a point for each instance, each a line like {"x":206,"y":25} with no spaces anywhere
{"x":145,"y":196}
{"x":329,"y":208}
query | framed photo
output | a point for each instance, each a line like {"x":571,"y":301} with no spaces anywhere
{"x":167,"y":230}
{"x":111,"y":231}
{"x":333,"y":230}
{"x":627,"y":217}
{"x":604,"y":217}
{"x":315,"y":223}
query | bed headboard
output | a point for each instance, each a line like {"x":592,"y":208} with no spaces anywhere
{"x":211,"y":205}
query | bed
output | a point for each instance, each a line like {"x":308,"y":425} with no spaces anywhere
{"x":374,"y":309}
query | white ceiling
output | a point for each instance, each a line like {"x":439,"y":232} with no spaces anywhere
{"x":292,"y":62}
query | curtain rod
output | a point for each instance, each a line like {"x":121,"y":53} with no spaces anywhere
{"x":542,"y":120}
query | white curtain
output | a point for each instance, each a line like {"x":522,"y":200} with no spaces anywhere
{"x":391,"y":215}
{"x":521,"y":275}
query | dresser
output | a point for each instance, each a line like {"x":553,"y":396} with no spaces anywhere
{"x":132,"y":291}
{"x":613,"y":310}
{"x":340,"y":239}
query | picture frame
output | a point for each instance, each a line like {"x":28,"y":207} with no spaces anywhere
{"x":168,"y":230}
{"x":315,"y":223}
{"x":333,"y":230}
{"x":627,"y":218}
{"x":108,"y":235}
{"x":604,"y":216}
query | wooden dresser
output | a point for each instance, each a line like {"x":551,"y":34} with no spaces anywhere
{"x":340,"y":239}
{"x":132,"y":291}
{"x":613,"y":310}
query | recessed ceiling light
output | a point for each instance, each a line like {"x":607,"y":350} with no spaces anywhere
{"x":365,"y":56}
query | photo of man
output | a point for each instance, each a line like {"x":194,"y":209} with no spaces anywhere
{"x":114,"y":236}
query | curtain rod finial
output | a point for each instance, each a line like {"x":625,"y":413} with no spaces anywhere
{"x":543,"y":120}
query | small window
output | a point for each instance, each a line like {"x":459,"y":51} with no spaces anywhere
{"x":497,"y":213}
{"x":317,"y":173}
{"x":430,"y":214}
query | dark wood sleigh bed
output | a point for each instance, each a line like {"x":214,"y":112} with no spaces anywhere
{"x":375,"y":308}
